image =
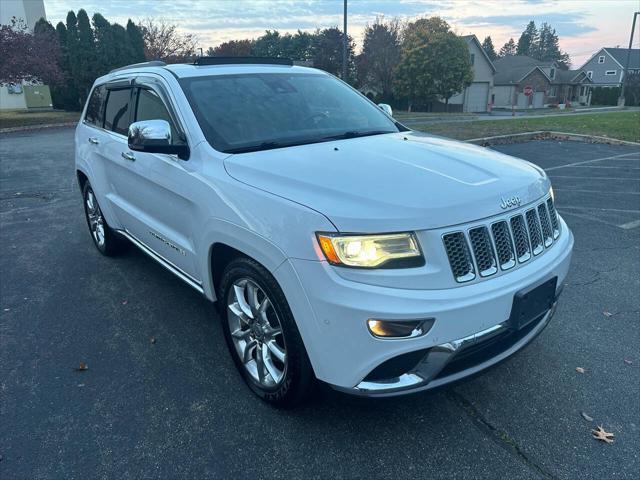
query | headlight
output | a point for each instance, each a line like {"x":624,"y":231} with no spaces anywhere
{"x":395,"y":250}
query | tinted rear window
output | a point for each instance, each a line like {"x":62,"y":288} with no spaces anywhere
{"x":94,"y":107}
{"x":116,"y":116}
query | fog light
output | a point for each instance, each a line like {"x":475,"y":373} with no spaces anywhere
{"x":399,"y":328}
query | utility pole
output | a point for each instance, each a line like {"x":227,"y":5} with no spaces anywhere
{"x":345,"y":43}
{"x":626,"y":66}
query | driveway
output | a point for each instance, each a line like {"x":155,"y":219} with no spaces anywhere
{"x":161,"y":397}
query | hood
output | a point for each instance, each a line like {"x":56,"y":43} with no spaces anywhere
{"x":392,"y":182}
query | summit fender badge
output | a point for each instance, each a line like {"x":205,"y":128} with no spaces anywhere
{"x":510,"y":202}
{"x":167,"y":242}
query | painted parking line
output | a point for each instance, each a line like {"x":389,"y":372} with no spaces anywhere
{"x":597,"y":178}
{"x":630,"y":225}
{"x":599,"y":192}
{"x":619,"y":210}
{"x":584,"y":162}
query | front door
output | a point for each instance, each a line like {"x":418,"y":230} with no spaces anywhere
{"x":151,"y":192}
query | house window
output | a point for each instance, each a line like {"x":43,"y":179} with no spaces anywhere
{"x":552,"y":73}
{"x":553,"y":92}
{"x":601,"y":59}
{"x":610,"y":72}
{"x":589,"y":74}
{"x":473,"y":58}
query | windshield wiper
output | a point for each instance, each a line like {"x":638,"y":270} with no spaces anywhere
{"x":356,"y":134}
{"x":257,"y":147}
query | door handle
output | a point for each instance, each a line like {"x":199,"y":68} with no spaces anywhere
{"x":129,"y":156}
{"x":94,"y":140}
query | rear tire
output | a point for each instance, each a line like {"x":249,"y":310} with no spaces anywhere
{"x":106,"y":240}
{"x":262,"y":335}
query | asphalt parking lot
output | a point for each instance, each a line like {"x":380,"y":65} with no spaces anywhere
{"x":177,"y":408}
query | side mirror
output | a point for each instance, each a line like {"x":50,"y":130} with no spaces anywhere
{"x":154,"y":136}
{"x":386,"y":109}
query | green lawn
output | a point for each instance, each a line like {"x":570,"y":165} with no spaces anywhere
{"x":26,"y":118}
{"x":618,"y":125}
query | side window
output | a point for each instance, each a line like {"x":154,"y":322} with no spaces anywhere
{"x":94,"y":107}
{"x":116,"y":115}
{"x":151,"y":107}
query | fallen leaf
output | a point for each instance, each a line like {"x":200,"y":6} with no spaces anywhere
{"x":586,"y":417}
{"x":83,"y":366}
{"x":124,"y":302}
{"x":607,"y":314}
{"x":580,"y":370}
{"x":153,"y":340}
{"x":627,"y":361}
{"x":601,"y":434}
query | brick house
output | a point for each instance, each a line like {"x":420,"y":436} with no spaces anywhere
{"x":551,"y":85}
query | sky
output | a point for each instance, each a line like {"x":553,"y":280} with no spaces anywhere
{"x":584,"y":26}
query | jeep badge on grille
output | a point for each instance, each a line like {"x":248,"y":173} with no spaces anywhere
{"x":510,"y":202}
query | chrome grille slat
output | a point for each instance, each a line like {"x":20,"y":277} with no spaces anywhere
{"x":459,"y":257}
{"x":547,"y":234}
{"x":504,"y":245}
{"x":535,"y":235}
{"x":483,"y":250}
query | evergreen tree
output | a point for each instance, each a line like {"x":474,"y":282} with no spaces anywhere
{"x":548,"y":48}
{"x":508,"y":48}
{"x":135,"y":42}
{"x":42,"y":27}
{"x":119,"y":39}
{"x":487,"y":46}
{"x":64,"y":95}
{"x":73,"y":48}
{"x":528,"y":41}
{"x":86,"y":56}
{"x":105,"y":46}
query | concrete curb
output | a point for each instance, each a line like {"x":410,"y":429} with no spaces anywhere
{"x":547,"y":135}
{"x":37,"y":127}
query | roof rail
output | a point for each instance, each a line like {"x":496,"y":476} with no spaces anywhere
{"x":152,"y":63}
{"x":242,"y":60}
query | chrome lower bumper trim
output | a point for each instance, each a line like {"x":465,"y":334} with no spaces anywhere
{"x":423,"y":376}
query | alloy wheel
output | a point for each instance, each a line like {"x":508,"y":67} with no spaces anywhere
{"x":96,"y":220}
{"x":256,"y":333}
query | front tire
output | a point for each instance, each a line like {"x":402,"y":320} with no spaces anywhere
{"x":106,"y":240}
{"x":262,"y":335}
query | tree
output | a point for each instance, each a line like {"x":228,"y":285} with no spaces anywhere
{"x":327,"y":53}
{"x":487,"y":46}
{"x":163,"y":41}
{"x":232,"y":48}
{"x":268,"y":45}
{"x":85,"y":58}
{"x":380,"y":56}
{"x":548,"y":47}
{"x":508,"y":48}
{"x":528,"y":41}
{"x":434,"y":62}
{"x":64,"y":95}
{"x":27,"y":57}
{"x":135,"y":42}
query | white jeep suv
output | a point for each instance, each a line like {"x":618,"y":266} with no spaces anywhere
{"x":338,"y":244}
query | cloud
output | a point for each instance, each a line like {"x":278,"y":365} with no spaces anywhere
{"x":566,"y":24}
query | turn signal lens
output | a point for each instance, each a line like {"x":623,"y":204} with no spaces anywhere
{"x":399,"y":329}
{"x":398,"y":250}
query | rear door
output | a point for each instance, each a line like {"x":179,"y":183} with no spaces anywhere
{"x":155,"y":191}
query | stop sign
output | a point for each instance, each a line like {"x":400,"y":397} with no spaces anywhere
{"x":528,"y":90}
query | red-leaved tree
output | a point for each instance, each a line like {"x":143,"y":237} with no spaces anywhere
{"x":28,"y":57}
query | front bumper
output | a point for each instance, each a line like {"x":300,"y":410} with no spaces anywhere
{"x":331,"y":312}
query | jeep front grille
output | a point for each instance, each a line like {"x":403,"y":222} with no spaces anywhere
{"x":503,"y":244}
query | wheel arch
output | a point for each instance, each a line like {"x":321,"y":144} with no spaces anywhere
{"x":228,"y":241}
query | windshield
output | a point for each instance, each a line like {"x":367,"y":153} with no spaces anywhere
{"x":259,"y":111}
